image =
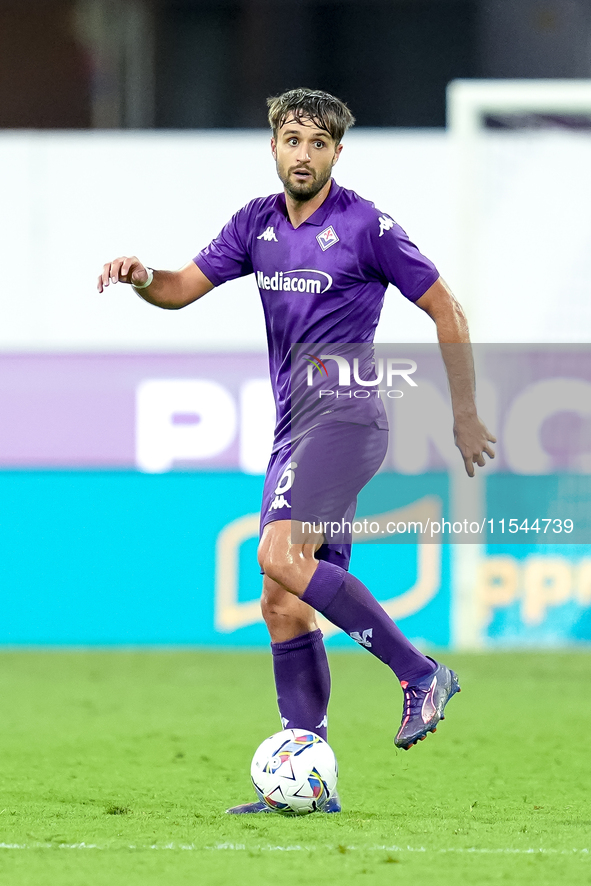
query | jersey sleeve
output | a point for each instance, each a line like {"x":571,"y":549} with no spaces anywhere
{"x":396,"y":259}
{"x":226,"y":257}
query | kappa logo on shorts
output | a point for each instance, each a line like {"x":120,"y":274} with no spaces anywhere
{"x":327,"y":237}
{"x":279,"y":502}
{"x":285,"y":484}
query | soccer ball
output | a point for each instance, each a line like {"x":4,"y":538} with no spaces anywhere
{"x":294,"y":772}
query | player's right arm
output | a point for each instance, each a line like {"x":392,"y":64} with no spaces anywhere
{"x":169,"y":289}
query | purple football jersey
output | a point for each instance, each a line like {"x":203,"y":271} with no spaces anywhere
{"x":321,"y":282}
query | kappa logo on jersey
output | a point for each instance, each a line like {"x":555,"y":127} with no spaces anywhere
{"x":284,"y":485}
{"x":385,"y":224}
{"x":268,"y":234}
{"x":327,"y":237}
{"x":363,"y":639}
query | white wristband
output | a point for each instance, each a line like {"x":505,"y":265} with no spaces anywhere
{"x":148,"y":281}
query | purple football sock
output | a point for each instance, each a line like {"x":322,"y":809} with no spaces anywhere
{"x":348,"y":604}
{"x":302,"y":679}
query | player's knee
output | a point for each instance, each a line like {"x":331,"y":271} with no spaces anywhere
{"x":274,"y":560}
{"x":273,"y":610}
{"x":285,"y":616}
{"x":277,"y":567}
{"x":280,"y":560}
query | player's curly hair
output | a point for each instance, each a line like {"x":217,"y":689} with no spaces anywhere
{"x":327,"y":112}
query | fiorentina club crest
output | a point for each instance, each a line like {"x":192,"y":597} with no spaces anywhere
{"x":327,"y":237}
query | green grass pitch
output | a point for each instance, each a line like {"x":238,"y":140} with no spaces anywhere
{"x":116,"y":767}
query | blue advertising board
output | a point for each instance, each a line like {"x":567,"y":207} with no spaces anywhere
{"x":130,"y":487}
{"x":101,"y":558}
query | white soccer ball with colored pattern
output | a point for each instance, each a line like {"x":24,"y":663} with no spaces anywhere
{"x":294,"y":772}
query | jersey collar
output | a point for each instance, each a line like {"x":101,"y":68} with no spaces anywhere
{"x":319,"y":217}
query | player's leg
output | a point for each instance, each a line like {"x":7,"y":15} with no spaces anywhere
{"x":302,"y":675}
{"x":341,"y":598}
{"x":300,"y":665}
{"x":330,"y":464}
{"x":299,"y":659}
{"x":347,"y":603}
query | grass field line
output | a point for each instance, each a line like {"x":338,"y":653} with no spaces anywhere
{"x":243,"y":847}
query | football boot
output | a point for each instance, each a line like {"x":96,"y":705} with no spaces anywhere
{"x":332,"y":805}
{"x":424,"y":704}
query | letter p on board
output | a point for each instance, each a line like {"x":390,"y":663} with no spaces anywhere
{"x":182,"y":420}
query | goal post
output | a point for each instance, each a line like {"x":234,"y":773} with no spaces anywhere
{"x":511,"y":144}
{"x":470,"y":101}
{"x":520,"y":106}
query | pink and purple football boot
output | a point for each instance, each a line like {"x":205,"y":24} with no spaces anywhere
{"x":424,"y":704}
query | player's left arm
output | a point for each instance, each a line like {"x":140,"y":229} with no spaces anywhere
{"x":471,"y":436}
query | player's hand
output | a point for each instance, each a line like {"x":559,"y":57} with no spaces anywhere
{"x":127,"y":269}
{"x":473,"y":439}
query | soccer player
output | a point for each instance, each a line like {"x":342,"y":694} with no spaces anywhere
{"x":316,"y":230}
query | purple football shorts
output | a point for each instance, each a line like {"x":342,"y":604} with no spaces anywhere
{"x":317,"y":479}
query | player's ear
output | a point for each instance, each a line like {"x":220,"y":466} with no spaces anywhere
{"x":337,"y":154}
{"x":274,"y":148}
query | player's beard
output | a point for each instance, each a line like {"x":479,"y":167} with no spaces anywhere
{"x":304,"y":191}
